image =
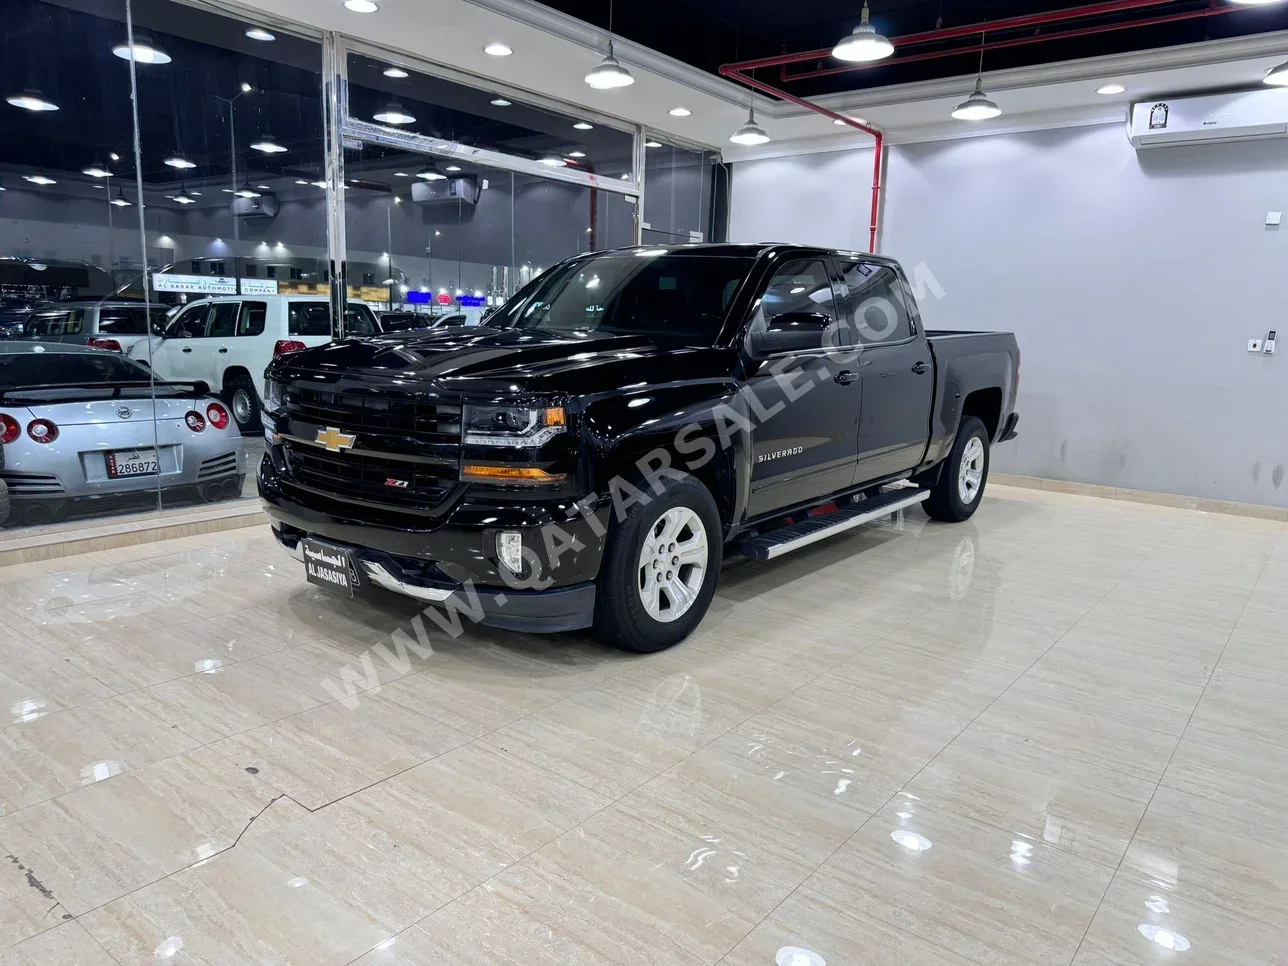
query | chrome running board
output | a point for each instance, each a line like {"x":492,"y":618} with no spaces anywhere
{"x":794,"y":536}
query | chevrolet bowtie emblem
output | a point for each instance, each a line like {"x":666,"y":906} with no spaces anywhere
{"x":334,"y":440}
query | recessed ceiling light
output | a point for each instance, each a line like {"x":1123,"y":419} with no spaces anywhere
{"x":397,"y":72}
{"x":268,"y":145}
{"x":498,"y":49}
{"x":393,"y":113}
{"x":500,"y":102}
{"x":38,"y":179}
{"x":453,"y":168}
{"x":30,"y":100}
{"x":576,"y":154}
{"x":263,"y":187}
{"x":300,"y":181}
{"x":143,"y":53}
{"x":178,"y":161}
{"x":401,"y":174}
{"x":195,"y":194}
{"x":583,"y":126}
{"x":246,"y":88}
{"x":1111,"y":89}
{"x":361,"y":6}
{"x":259,"y":33}
{"x":679,"y":112}
{"x":652,"y":144}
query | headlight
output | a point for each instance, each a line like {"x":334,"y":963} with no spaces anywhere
{"x":514,"y":426}
{"x":274,"y":396}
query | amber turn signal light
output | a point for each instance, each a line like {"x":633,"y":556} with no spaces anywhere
{"x":555,"y":416}
{"x":510,"y":474}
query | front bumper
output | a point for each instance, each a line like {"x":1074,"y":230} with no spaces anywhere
{"x":538,"y":611}
{"x":448,"y":559}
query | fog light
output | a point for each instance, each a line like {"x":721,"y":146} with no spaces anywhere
{"x":509,"y":547}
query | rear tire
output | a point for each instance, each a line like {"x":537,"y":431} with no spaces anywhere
{"x":660,"y":568}
{"x":957,"y":494}
{"x":243,"y":403}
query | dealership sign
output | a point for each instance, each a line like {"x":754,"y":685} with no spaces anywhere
{"x":259,"y":286}
{"x":195,"y":284}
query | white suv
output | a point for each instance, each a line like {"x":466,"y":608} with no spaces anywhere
{"x":227,"y":342}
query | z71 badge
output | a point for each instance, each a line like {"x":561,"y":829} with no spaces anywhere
{"x":779,"y":454}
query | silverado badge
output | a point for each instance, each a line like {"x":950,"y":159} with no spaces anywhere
{"x":334,"y":440}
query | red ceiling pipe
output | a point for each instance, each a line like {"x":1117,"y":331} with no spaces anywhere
{"x":948,"y":33}
{"x":733,"y":72}
{"x":1210,"y":11}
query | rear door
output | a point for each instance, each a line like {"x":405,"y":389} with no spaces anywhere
{"x":898,"y":373}
{"x":805,"y":415}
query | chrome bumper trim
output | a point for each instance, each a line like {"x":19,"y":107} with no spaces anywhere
{"x":379,"y":575}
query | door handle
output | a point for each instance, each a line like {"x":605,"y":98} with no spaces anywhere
{"x":921,"y":367}
{"x":187,"y":350}
{"x":845,"y":377}
{"x":223,"y":348}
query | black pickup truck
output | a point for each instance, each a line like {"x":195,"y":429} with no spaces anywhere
{"x":590,"y":454}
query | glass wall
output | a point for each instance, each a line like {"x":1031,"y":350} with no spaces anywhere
{"x":155,"y":253}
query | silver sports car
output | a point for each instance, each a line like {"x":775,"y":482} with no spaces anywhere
{"x":81,"y":430}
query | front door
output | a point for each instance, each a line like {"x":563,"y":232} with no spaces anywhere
{"x":806,"y":408}
{"x":175,"y":358}
{"x":898,"y":372}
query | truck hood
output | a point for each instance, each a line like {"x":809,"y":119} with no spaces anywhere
{"x":502,"y":360}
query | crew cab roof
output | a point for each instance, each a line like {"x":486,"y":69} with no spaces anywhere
{"x":744,"y":250}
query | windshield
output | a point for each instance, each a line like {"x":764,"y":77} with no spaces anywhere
{"x":677,"y":298}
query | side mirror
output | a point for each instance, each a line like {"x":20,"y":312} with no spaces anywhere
{"x":791,"y":332}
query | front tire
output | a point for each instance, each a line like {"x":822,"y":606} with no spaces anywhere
{"x":243,"y":403}
{"x":660,"y":569}
{"x":957,"y":494}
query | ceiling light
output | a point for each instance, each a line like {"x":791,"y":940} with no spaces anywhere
{"x":609,"y":74}
{"x":259,"y":33}
{"x":1254,"y":3}
{"x":178,"y":161}
{"x":864,"y":44}
{"x":751,"y":132}
{"x":1277,"y":76}
{"x":431,"y":173}
{"x":300,"y":181}
{"x":401,"y":174}
{"x":679,"y":112}
{"x":97,"y":170}
{"x":195,"y":194}
{"x":500,"y":102}
{"x":1111,"y":89}
{"x":318,"y":184}
{"x":114,"y":156}
{"x":554,"y":162}
{"x":576,"y":154}
{"x":397,"y":72}
{"x":652,"y":144}
{"x":121,"y":201}
{"x":30,"y":100}
{"x":39,"y":179}
{"x":498,"y":49}
{"x":246,"y":191}
{"x":184,"y":198}
{"x":142,"y":53}
{"x":583,"y":126}
{"x":393,"y":114}
{"x":268,"y":145}
{"x":263,"y":187}
{"x":246,"y":88}
{"x":453,"y":168}
{"x":361,"y":6}
{"x":977,"y":107}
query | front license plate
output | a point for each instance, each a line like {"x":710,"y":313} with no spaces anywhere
{"x":330,"y":567}
{"x":131,"y":462}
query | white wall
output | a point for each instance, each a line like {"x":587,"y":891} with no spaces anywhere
{"x":1132,"y":281}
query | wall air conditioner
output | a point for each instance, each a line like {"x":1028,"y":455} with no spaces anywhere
{"x":1211,"y":119}
{"x":446,"y":191}
{"x":265,"y":206}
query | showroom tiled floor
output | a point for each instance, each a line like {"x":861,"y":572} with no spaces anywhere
{"x":1055,"y":734}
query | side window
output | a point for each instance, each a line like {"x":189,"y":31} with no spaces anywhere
{"x":123,"y":321}
{"x":359,"y":320}
{"x":309,"y":318}
{"x":798,"y":288}
{"x":223,"y":320}
{"x":253,"y":317}
{"x":189,"y":323}
{"x":875,"y":299}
